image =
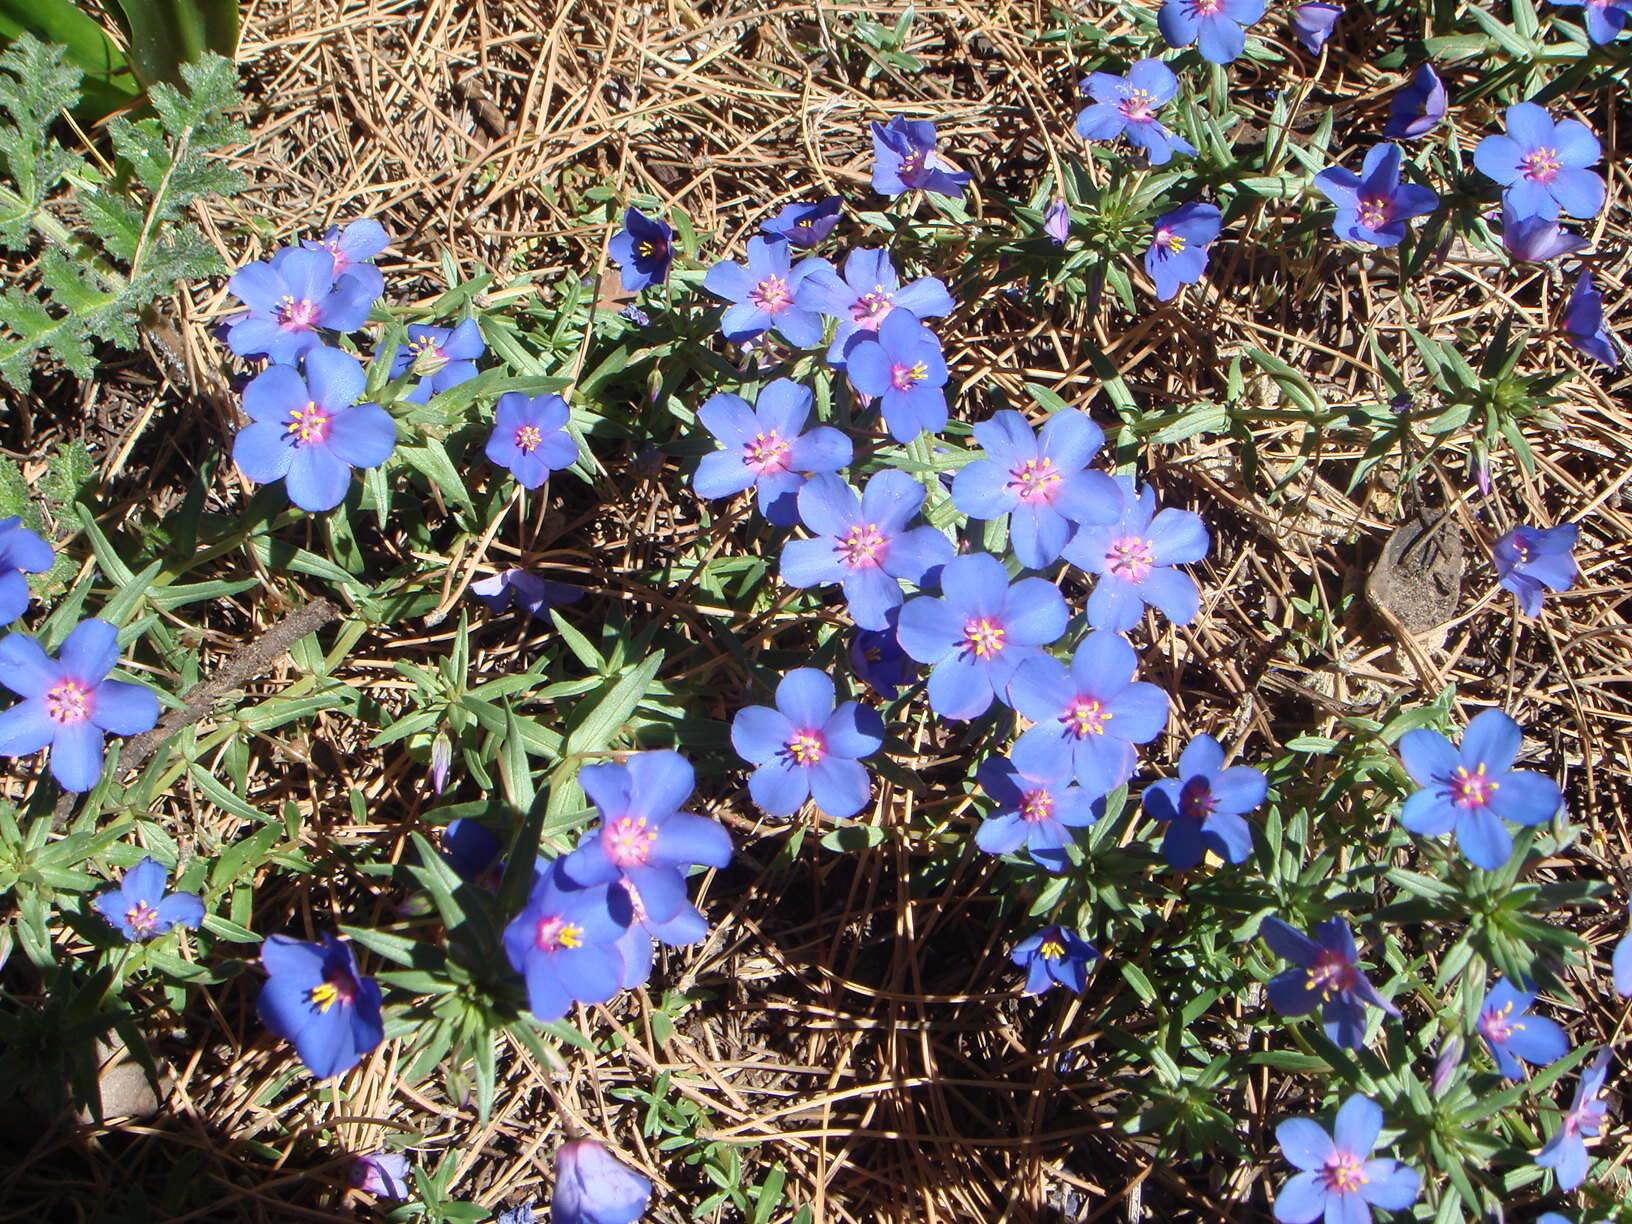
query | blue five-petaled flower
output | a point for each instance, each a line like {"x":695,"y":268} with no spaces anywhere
{"x":904,"y":159}
{"x":1036,"y":810}
{"x":1542,"y":165}
{"x":1326,"y":975}
{"x":1374,"y":205}
{"x":764,"y":295}
{"x":1203,"y":807}
{"x":21,"y":552}
{"x":530,"y":437}
{"x":1529,"y":559}
{"x":901,"y":365}
{"x":140,"y":909}
{"x":1512,"y":1032}
{"x":1134,"y":557}
{"x":1338,"y":1178}
{"x":766,"y":448}
{"x":1054,"y":956}
{"x":1565,"y":1152}
{"x":643,"y":250}
{"x":1215,"y":26}
{"x":1128,"y":105}
{"x":1177,"y":254}
{"x":315,"y":999}
{"x":805,"y":748}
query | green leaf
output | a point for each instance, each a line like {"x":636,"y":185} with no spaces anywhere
{"x":598,"y":730}
{"x":166,"y":34}
{"x":109,"y":84}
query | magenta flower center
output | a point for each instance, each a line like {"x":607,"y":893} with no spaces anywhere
{"x":771,"y":295}
{"x":307,"y":426}
{"x":1331,"y":973}
{"x":912,"y":165}
{"x":1167,"y":239}
{"x":806,"y":748}
{"x":1130,"y":558}
{"x":1472,"y":790}
{"x":905,"y":378}
{"x":984,"y":638}
{"x":528,"y":439}
{"x":1196,"y":800}
{"x":1541,"y":165}
{"x":862,"y":546}
{"x":1343,"y":1173}
{"x":338,"y":986}
{"x":637,"y":907}
{"x":1085,"y":716}
{"x":296,"y":316}
{"x":870,"y":308}
{"x":629,"y":841}
{"x":767,"y":454}
{"x":332,"y":246}
{"x":555,"y":933}
{"x":428,"y":355}
{"x":1497,"y":1025}
{"x":1036,"y":806}
{"x":68,"y":702}
{"x":1136,"y":105}
{"x":646,"y":248}
{"x":142,"y":917}
{"x":1522,"y":553}
{"x":1206,"y":8}
{"x":1035,"y":480}
{"x":1375,"y":211}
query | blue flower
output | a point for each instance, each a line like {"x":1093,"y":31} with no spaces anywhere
{"x":592,"y":1186}
{"x":564,"y":942}
{"x":139,"y":908}
{"x":902,"y":366}
{"x":979,"y":632}
{"x":1584,"y":321}
{"x":517,"y":588}
{"x":637,"y":943}
{"x":68,"y":703}
{"x":21,"y":552}
{"x":1473,"y":790}
{"x":1203,"y":806}
{"x":1605,"y":18}
{"x":1620,"y":966}
{"x":1542,"y":165}
{"x":383,"y":1174}
{"x":1327,"y":975}
{"x":1041,"y":483}
{"x":1512,"y":1033}
{"x":805,"y":748}
{"x":1177,"y":254}
{"x":530,"y":437}
{"x":353,"y":250}
{"x":1088,"y":717}
{"x":1216,"y":26}
{"x":805,"y":225}
{"x":878,"y":660}
{"x":1418,"y":107}
{"x":904,"y":159}
{"x":868,"y":292}
{"x":1054,"y":956}
{"x":471,"y":849}
{"x":1035,"y":810}
{"x":1527,"y":559}
{"x":764,"y":295}
{"x":643,"y":250}
{"x":1312,"y":24}
{"x":1374,"y":206}
{"x":1566,"y":1151}
{"x":1339,"y":1179}
{"x":1536,"y":239}
{"x":1133,"y":558}
{"x":765,"y":448}
{"x":863,"y":544}
{"x":292,"y":297}
{"x":315,"y":999}
{"x":443,"y":357}
{"x":1057,"y":222}
{"x":1127,"y":106}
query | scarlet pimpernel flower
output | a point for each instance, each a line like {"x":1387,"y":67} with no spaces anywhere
{"x":517,"y":588}
{"x":1127,"y":106}
{"x":1565,"y":1152}
{"x":901,"y":365}
{"x":471,"y":849}
{"x":805,"y":225}
{"x":805,"y":748}
{"x":530,"y":437}
{"x":309,"y":432}
{"x":1054,"y":956}
{"x":1177,"y":254}
{"x":1536,"y":239}
{"x":315,"y":999}
{"x":383,"y":1174}
{"x":1040,"y":482}
{"x":1529,"y":559}
{"x":1373,"y":206}
{"x":21,"y":552}
{"x":1034,"y":810}
{"x":1134,"y":557}
{"x":68,"y":703}
{"x":140,"y":908}
{"x":904,"y":159}
{"x":979,"y":631}
{"x":1057,"y":222}
{"x":1512,"y":1032}
{"x":564,"y":942}
{"x":1584,"y":322}
{"x":592,"y":1186}
{"x":764,"y":295}
{"x":1312,"y":24}
{"x":864,"y":544}
{"x":1217,"y":27}
{"x":1338,"y":1178}
{"x":878,"y":660}
{"x":869,"y":290}
{"x":1473,"y":789}
{"x":1542,"y":164}
{"x":1088,"y":717}
{"x":1418,"y":106}
{"x":291,"y":298}
{"x":1203,"y":807}
{"x":353,"y":250}
{"x":1605,"y":18}
{"x":443,"y":357}
{"x":1327,"y":975}
{"x":765,"y":448}
{"x":643,"y":250}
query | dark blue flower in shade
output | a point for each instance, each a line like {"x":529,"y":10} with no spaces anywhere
{"x":1057,"y":222}
{"x":443,"y":357}
{"x":643,"y":250}
{"x":804,"y":748}
{"x":1312,"y":24}
{"x":863,"y":544}
{"x":1418,"y":106}
{"x":291,"y":298}
{"x":878,"y":660}
{"x":517,"y":588}
{"x":1338,"y":1179}
{"x":353,"y":250}
{"x":1215,"y":26}
{"x":1203,"y":807}
{"x":766,"y":449}
{"x":564,"y":942}
{"x":1621,"y":964}
{"x":1037,"y":811}
{"x":979,"y":631}
{"x":1605,"y":18}
{"x":1511,"y":1032}
{"x":637,"y":944}
{"x":1450,"y":1057}
{"x":805,"y":225}
{"x":901,"y":365}
{"x":1327,"y":975}
{"x":1054,"y":956}
{"x":21,"y":552}
{"x":516,"y":1215}
{"x":1374,"y":206}
{"x":383,"y":1174}
{"x":530,"y":437}
{"x":140,"y":909}
{"x":1086,"y":718}
{"x":764,"y":295}
{"x":1040,"y":482}
{"x":1542,"y":165}
{"x":592,"y":1186}
{"x":868,"y":292}
{"x":309,"y":432}
{"x":1584,"y":322}
{"x":471,"y":849}
{"x":1529,"y":559}
{"x":1473,"y":789}
{"x":315,"y":999}
{"x":1177,"y":254}
{"x":904,"y":159}
{"x":1127,"y":106}
{"x":1536,"y":239}
{"x":643,"y":836}
{"x":1566,"y":1151}
{"x":68,"y":704}
{"x":1134,"y":557}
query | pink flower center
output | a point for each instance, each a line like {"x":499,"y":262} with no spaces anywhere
{"x":528,"y":439}
{"x":771,"y":295}
{"x":1136,"y":105}
{"x":1472,"y":790}
{"x":68,"y":702}
{"x":1035,"y":480}
{"x":338,"y":986}
{"x":984,"y":638}
{"x":307,"y":426}
{"x":905,"y":378}
{"x":628,"y":841}
{"x":428,"y":356}
{"x":1375,"y":211}
{"x":1130,"y":558}
{"x":1168,"y":240}
{"x":862,"y":546}
{"x":1036,"y":806}
{"x":1196,"y":800}
{"x":1331,"y":973}
{"x":142,"y":917}
{"x":1497,"y":1025}
{"x":767,"y":454}
{"x":870,"y":308}
{"x":1542,"y":165}
{"x":555,"y":933}
{"x":912,"y":165}
{"x":1085,"y":717}
{"x":806,"y":748}
{"x":332,"y":246}
{"x":1206,"y":8}
{"x":296,"y":316}
{"x":1343,"y":1173}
